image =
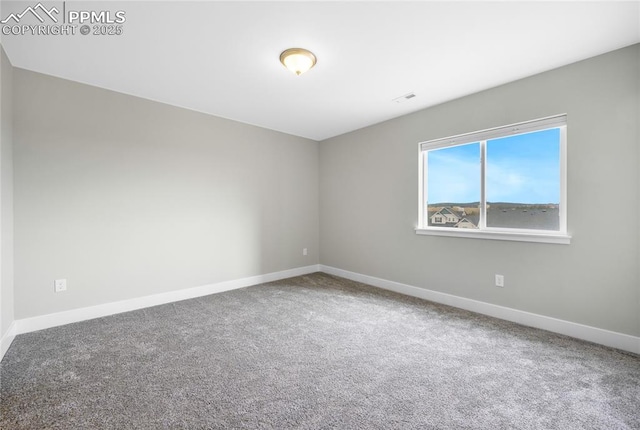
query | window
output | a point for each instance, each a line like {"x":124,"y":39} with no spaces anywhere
{"x":504,"y":183}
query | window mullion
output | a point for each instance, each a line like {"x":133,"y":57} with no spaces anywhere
{"x":562,"y":210}
{"x":424,"y":212}
{"x":482,"y":222}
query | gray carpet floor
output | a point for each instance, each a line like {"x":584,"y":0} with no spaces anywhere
{"x":313,"y":352}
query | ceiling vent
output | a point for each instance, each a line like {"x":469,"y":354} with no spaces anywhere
{"x":404,"y":98}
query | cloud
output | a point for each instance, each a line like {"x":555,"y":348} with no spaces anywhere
{"x":453,"y":177}
{"x":522,"y":181}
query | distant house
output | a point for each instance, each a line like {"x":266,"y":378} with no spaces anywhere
{"x":465,"y":223}
{"x":448,"y":217}
{"x":444,"y":216}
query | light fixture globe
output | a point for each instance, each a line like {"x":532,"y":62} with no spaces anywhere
{"x":298,"y":60}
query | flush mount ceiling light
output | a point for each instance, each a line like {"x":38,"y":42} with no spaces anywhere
{"x":298,"y":60}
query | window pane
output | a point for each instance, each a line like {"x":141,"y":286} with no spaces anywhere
{"x":453,"y":186}
{"x":523,"y":181}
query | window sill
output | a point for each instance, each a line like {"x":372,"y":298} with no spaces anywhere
{"x":560,"y":239}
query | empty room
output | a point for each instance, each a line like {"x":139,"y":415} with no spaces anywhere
{"x":319,"y":215}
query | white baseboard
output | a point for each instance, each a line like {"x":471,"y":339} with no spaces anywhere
{"x":604,"y":337}
{"x":27,"y":325}
{"x":6,"y":339}
{"x":592,"y":334}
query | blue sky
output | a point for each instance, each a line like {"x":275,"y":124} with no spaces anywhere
{"x":520,"y":169}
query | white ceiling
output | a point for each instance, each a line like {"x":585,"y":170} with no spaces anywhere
{"x":222,"y":57}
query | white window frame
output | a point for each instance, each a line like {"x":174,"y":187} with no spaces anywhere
{"x":483,"y":232}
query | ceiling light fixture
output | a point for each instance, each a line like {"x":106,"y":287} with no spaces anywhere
{"x":298,"y":60}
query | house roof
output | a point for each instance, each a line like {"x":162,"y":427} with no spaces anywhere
{"x":445,"y":211}
{"x":466,"y":220}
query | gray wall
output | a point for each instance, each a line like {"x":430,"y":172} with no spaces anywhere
{"x":126,"y":197}
{"x":6,"y":194}
{"x":369,"y":199}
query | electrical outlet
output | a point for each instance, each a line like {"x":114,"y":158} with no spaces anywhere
{"x":304,"y":251}
{"x":60,"y":285}
{"x":499,"y":280}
